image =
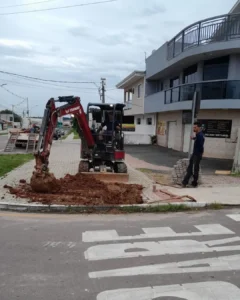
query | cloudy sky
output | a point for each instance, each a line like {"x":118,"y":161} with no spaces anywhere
{"x":86,"y":43}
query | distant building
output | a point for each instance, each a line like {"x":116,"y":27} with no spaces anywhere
{"x":144,"y":124}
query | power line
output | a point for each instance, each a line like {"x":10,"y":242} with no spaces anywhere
{"x":13,"y":94}
{"x":46,"y":80}
{"x":55,"y":8}
{"x":26,"y":4}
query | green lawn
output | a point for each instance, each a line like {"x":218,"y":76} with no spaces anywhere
{"x":76,"y":135}
{"x":9,"y":162}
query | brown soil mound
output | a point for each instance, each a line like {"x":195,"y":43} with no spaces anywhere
{"x":79,"y":189}
{"x":44,"y":183}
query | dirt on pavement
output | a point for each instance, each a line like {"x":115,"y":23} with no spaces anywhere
{"x":80,"y":189}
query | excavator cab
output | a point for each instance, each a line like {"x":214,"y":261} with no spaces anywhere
{"x":105,"y":123}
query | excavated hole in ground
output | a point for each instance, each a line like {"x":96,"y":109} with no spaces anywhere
{"x":79,"y":189}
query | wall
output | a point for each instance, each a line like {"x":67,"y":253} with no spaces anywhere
{"x":220,"y":147}
{"x":143,"y":132}
{"x":6,"y":117}
{"x":137,"y":103}
{"x":163,"y":136}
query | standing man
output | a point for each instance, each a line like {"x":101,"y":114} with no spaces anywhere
{"x":194,"y":164}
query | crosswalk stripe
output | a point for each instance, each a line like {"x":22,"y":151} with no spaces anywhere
{"x":190,"y":291}
{"x":215,"y":264}
{"x":235,"y":217}
{"x":154,"y":232}
{"x":125,"y":250}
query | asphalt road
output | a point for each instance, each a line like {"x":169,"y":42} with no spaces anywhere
{"x":3,"y":141}
{"x":163,"y":156}
{"x":192,"y":256}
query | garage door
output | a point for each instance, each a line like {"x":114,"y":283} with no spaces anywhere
{"x":171,"y":134}
{"x":186,"y":139}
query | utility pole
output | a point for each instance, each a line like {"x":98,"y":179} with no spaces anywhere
{"x":27,"y":108}
{"x":13,"y":115}
{"x":102,"y":90}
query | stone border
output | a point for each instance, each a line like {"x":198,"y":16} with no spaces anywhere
{"x":41,"y":208}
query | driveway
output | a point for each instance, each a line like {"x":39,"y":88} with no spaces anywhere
{"x":162,"y":156}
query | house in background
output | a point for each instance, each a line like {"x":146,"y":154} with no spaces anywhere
{"x":203,"y":58}
{"x":144,"y":124}
{"x":8,"y":117}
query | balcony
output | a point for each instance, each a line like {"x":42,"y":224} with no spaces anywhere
{"x":128,"y":105}
{"x":207,"y":90}
{"x":212,"y":30}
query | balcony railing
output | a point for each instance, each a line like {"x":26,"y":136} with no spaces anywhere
{"x":217,"y":29}
{"x":128,"y":105}
{"x":207,"y":90}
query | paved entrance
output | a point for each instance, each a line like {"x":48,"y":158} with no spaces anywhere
{"x":162,"y":156}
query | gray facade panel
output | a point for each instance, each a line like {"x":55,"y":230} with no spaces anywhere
{"x":155,"y":103}
{"x":221,"y":104}
{"x":157,"y":62}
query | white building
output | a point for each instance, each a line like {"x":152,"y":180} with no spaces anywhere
{"x":145,"y":124}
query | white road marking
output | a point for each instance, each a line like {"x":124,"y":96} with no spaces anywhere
{"x":125,"y":250}
{"x":51,"y":244}
{"x":155,"y":232}
{"x":235,"y":217}
{"x":215,"y":264}
{"x":215,"y":290}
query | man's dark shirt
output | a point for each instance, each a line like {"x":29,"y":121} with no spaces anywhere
{"x":109,"y":125}
{"x":198,"y":148}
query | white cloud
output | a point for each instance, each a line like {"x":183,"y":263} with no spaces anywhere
{"x":85,"y":43}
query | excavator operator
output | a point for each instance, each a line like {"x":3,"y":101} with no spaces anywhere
{"x":110,"y":124}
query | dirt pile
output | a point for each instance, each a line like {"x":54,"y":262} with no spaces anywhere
{"x":44,"y":183}
{"x":79,"y":189}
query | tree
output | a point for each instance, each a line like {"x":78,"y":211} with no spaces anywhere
{"x":17,"y":118}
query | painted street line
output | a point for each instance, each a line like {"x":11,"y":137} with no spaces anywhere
{"x":215,"y":290}
{"x":154,"y":232}
{"x":235,"y":217}
{"x":215,"y":264}
{"x":125,"y":250}
{"x":57,"y":244}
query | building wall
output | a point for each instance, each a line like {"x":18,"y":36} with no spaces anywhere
{"x":214,"y":147}
{"x":220,"y":147}
{"x":137,"y":103}
{"x":6,"y":117}
{"x":143,"y":132}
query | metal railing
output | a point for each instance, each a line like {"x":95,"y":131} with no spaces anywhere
{"x":208,"y":90}
{"x":216,"y":29}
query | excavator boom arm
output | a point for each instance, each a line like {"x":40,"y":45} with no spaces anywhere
{"x":72,"y":106}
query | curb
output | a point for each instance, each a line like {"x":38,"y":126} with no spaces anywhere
{"x":41,"y":208}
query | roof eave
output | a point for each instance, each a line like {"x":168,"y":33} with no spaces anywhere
{"x":125,"y":82}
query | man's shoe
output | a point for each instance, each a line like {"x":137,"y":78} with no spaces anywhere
{"x":194,"y":184}
{"x":184,"y":185}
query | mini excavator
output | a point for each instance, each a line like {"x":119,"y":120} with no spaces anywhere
{"x":102,"y":151}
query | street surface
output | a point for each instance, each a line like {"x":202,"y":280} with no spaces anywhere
{"x":192,"y":256}
{"x":3,"y":141}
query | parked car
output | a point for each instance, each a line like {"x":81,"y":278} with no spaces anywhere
{"x":57,"y":134}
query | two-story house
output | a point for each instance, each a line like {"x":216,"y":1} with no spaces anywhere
{"x":134,"y":92}
{"x":202,"y":59}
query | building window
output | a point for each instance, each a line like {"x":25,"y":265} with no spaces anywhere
{"x":216,"y":68}
{"x":149,"y":121}
{"x":190,"y":74}
{"x":139,"y":90}
{"x":159,"y":86}
{"x":174,"y":82}
{"x":138,"y":121}
{"x":10,"y":119}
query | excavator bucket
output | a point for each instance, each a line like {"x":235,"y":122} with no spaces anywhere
{"x":109,"y":177}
